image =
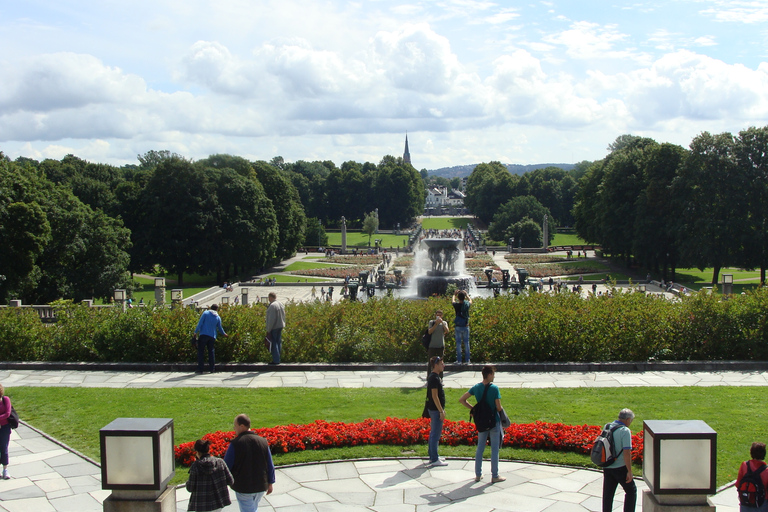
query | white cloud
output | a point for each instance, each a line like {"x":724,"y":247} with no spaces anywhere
{"x":688,"y":85}
{"x":738,"y":11}
{"x":586,"y":40}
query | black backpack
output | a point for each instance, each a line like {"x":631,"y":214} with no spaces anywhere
{"x":426,"y":338}
{"x":604,"y":450}
{"x":751,"y":489}
{"x":482,"y":414}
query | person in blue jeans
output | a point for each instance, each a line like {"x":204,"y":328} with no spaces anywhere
{"x":436,"y":408}
{"x":207,"y":328}
{"x":620,"y":472}
{"x":275,"y":325}
{"x":493,"y":399}
{"x":461,"y":303}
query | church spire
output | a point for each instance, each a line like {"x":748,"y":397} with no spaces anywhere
{"x":406,"y":154}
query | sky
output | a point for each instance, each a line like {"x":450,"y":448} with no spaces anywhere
{"x":469,"y":81}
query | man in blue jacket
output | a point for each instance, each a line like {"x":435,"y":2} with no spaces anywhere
{"x":207,"y":327}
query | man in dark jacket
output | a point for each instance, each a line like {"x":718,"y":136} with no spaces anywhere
{"x":250,"y":461}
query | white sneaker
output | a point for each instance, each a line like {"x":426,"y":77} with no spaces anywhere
{"x":439,"y":463}
{"x":6,"y":475}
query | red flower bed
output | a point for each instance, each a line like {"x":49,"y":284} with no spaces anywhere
{"x":404,"y":432}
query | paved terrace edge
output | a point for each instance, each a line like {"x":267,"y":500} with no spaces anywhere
{"x":553,"y":367}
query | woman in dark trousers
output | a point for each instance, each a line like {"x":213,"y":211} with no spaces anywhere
{"x":209,"y":478}
{"x":5,"y":431}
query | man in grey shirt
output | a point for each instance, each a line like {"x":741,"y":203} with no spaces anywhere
{"x":275,"y":324}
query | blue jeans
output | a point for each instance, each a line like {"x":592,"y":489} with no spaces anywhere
{"x":482,"y":437}
{"x":5,"y":439}
{"x":435,"y":431}
{"x":204,"y":343}
{"x":277,"y":344}
{"x":462,"y":337}
{"x":249,"y":501}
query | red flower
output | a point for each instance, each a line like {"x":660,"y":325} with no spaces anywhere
{"x":402,"y":432}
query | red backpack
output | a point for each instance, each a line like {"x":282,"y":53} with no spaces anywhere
{"x":751,"y":489}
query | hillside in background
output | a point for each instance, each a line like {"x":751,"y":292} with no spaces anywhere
{"x":465,"y":170}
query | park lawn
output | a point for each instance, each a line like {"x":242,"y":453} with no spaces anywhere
{"x":359,"y":239}
{"x":445,"y":222}
{"x":292,"y":278}
{"x":307,"y":265}
{"x":704,"y":277}
{"x":583,"y":262}
{"x":75,"y":415}
{"x":567,"y":239}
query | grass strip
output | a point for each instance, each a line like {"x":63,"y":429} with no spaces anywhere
{"x":75,"y":415}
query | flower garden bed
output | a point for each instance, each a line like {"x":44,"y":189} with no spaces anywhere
{"x":332,"y":273}
{"x":404,"y":432}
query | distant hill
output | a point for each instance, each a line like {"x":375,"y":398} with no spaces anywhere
{"x":465,"y":170}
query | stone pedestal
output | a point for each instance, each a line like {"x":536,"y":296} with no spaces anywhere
{"x":160,"y":295}
{"x":136,"y":501}
{"x":15,"y":303}
{"x":676,"y":503}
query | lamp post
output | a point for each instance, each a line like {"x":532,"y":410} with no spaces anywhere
{"x":177,"y":296}
{"x":244,"y":293}
{"x":679,"y":465}
{"x":137,"y":462}
{"x":120,"y":296}
{"x":225,"y":300}
{"x":160,"y":291}
{"x":727,"y":284}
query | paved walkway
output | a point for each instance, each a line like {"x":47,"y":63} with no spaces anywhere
{"x":49,"y":477}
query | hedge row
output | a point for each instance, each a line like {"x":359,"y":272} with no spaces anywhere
{"x":536,"y":328}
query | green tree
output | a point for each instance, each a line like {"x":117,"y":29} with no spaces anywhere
{"x":399,"y":192}
{"x":287,"y":206}
{"x":488,"y":187}
{"x":315,"y":233}
{"x":526,"y":233}
{"x":712,"y":187}
{"x":506,"y":221}
{"x":370,"y":225}
{"x":751,"y":151}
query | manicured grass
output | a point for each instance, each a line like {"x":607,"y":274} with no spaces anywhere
{"x":305,"y":265}
{"x":704,"y":277}
{"x":75,"y":415}
{"x":360,"y":240}
{"x":567,"y":239}
{"x":289,"y":278}
{"x":445,"y":222}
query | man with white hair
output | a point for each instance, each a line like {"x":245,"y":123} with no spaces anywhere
{"x":620,"y":472}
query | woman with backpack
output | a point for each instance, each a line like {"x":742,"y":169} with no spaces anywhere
{"x":488,"y":399}
{"x":752,"y":482}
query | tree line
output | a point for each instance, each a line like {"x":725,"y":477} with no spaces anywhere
{"x":664,"y":207}
{"x":515,"y":206}
{"x":76,"y":229}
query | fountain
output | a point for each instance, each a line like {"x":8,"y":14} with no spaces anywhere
{"x":445,"y":266}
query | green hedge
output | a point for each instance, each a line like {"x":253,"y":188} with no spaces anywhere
{"x":540,"y":327}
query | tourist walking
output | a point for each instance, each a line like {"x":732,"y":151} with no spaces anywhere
{"x":489,"y":392}
{"x":461,"y":303}
{"x":620,"y":472}
{"x":438,"y":328}
{"x":5,"y":431}
{"x":250,"y":461}
{"x":208,"y":327}
{"x":436,"y":409}
{"x":748,"y":501}
{"x":275,"y":325}
{"x":208,"y":481}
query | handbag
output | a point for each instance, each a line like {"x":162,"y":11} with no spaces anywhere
{"x":426,"y":339}
{"x":505,"y":421}
{"x":13,"y":419}
{"x":194,"y":342}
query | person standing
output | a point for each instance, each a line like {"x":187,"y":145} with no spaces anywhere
{"x":275,"y":325}
{"x":461,"y":303}
{"x":208,"y":481}
{"x":493,"y":399}
{"x":250,"y":461}
{"x":5,"y":431}
{"x":436,"y":409}
{"x":757,"y":452}
{"x":620,"y":472}
{"x":208,"y":327}
{"x":438,"y":328}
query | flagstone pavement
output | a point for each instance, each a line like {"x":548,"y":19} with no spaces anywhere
{"x":48,"y":476}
